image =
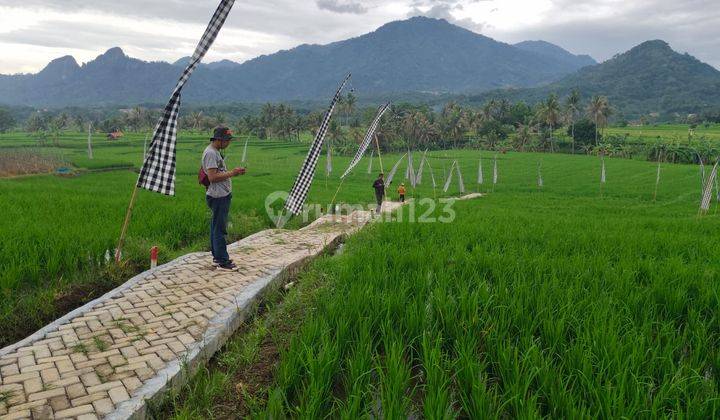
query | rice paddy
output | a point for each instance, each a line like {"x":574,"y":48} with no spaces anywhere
{"x":533,"y":303}
{"x":565,"y":301}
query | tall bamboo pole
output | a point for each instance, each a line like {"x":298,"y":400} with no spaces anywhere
{"x":123,"y":232}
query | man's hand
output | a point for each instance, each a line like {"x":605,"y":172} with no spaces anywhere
{"x":238,"y":171}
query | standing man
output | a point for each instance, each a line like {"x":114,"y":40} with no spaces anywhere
{"x":379,"y":186}
{"x":219,"y":194}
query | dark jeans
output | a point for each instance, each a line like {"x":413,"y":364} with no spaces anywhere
{"x":402,"y":198}
{"x":218,"y":227}
{"x":379,"y":195}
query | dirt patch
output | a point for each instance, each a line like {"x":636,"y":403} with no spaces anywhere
{"x":27,"y":162}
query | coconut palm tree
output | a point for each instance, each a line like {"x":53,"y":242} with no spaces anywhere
{"x":522,"y":136}
{"x":552,"y":115}
{"x":572,"y":107}
{"x":599,"y":111}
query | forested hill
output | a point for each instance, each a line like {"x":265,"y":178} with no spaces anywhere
{"x":418,"y":55}
{"x":649,"y":78}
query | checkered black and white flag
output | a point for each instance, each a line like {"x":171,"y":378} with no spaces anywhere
{"x":299,"y":191}
{"x":158,"y":171}
{"x":367,"y":140}
{"x":707,"y":193}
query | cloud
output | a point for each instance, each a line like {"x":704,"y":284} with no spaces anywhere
{"x":603,"y":28}
{"x":92,"y":36}
{"x":169,"y":29}
{"x":339,"y":6}
{"x":442,"y":9}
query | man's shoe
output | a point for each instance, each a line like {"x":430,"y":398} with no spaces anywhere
{"x":228,"y":266}
{"x":217,"y":263}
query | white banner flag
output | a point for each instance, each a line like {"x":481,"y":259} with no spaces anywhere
{"x":328,"y":163}
{"x":702,"y":177}
{"x":707,"y":193}
{"x":480,"y":179}
{"x":449,"y":177}
{"x":540,"y":177}
{"x":394,"y":170}
{"x":372,"y":153}
{"x":244,"y":156}
{"x":602,"y":171}
{"x":495,"y":171}
{"x":90,"y":152}
{"x":411,"y":170}
{"x":418,"y":178}
{"x":461,"y":184}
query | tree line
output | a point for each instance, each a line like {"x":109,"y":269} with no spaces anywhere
{"x":566,"y":124}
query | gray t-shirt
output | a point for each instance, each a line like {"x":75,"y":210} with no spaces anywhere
{"x":212,"y":159}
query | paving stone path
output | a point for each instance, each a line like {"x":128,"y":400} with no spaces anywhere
{"x":108,"y":358}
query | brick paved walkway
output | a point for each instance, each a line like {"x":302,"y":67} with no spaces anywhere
{"x":110,"y":356}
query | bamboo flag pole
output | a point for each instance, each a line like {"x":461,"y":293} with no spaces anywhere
{"x":370,"y":164}
{"x":377,"y":144}
{"x":382,"y":170}
{"x":128,"y":214}
{"x":123,"y":232}
{"x":332,"y":202}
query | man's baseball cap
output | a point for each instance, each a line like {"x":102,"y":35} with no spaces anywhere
{"x":222,"y":133}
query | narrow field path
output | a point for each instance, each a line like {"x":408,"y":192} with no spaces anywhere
{"x":110,"y":357}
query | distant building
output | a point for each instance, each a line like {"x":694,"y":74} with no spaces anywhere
{"x":115,"y":134}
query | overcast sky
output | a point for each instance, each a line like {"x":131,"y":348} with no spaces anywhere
{"x":32,"y":32}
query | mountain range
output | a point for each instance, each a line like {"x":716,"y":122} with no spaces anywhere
{"x":420,"y":58}
{"x":650,"y":77}
{"x":415,"y":55}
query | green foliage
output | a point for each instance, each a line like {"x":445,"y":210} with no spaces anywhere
{"x":7,"y":121}
{"x":584,"y":132}
{"x":649,"y":78}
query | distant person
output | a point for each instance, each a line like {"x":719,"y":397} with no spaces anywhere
{"x":379,"y":186}
{"x":219,"y":194}
{"x":401,"y":192}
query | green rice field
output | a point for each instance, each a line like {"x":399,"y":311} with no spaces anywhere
{"x":667,"y":132}
{"x":563,"y":302}
{"x":559,"y":303}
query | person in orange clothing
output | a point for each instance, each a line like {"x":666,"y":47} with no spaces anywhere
{"x":401,"y":191}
